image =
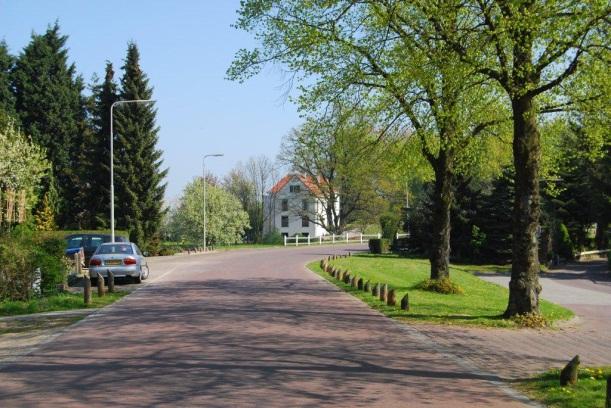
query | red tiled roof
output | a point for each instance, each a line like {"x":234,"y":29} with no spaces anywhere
{"x":308,"y":182}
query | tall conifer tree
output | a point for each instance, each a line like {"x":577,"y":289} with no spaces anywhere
{"x":52,"y":111}
{"x":103,"y":96}
{"x":7,"y":99}
{"x":139,"y":176}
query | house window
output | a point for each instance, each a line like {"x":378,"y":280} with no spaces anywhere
{"x":284,"y":222}
{"x":295,"y":189}
{"x":305,"y":221}
{"x":285,"y":205}
{"x":304,"y":205}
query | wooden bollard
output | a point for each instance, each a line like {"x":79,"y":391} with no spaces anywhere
{"x":346,"y":277}
{"x":354,"y":282}
{"x":322,"y":264}
{"x":608,"y":399}
{"x":86,"y":290}
{"x":349,"y":254}
{"x":405,"y":302}
{"x":334,"y":272}
{"x":100,"y":285}
{"x":367,"y":287}
{"x":111,"y":282}
{"x":376,"y":290}
{"x":391,"y":300}
{"x":384,"y":293}
{"x":359,"y":284}
{"x":568,"y":375}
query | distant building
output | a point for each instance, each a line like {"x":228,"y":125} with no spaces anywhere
{"x":295,"y":206}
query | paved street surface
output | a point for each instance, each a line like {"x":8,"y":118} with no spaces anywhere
{"x":584,"y":288}
{"x":243,"y":329}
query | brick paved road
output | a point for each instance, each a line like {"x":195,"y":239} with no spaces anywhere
{"x":244,"y":328}
{"x":584,"y":288}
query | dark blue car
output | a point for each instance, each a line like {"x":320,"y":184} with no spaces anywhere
{"x":89,"y":243}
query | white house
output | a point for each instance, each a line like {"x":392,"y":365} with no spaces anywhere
{"x":296,"y":206}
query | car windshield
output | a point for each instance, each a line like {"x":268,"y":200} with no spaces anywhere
{"x":115,"y":249}
{"x":75,"y":242}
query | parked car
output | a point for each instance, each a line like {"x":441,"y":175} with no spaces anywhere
{"x":122,"y":259}
{"x":89,"y":243}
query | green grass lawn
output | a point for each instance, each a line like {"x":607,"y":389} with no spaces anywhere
{"x":64,"y":301}
{"x":482,"y":304}
{"x":589,"y":391}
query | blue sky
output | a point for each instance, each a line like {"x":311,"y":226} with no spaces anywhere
{"x":186,"y":47}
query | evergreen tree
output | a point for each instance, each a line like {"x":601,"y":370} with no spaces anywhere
{"x":98,"y":150}
{"x":7,"y":99}
{"x":52,"y":111}
{"x":494,"y":219}
{"x":138,"y":172}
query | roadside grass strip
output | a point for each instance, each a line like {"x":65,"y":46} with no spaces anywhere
{"x":482,"y":303}
{"x":590,"y":390}
{"x":63,"y":301}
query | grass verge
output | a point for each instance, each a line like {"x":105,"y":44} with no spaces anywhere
{"x":64,"y":301}
{"x":589,"y":391}
{"x":482,"y":303}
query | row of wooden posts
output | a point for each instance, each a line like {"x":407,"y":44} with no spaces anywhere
{"x":87,"y":281}
{"x":378,"y":290}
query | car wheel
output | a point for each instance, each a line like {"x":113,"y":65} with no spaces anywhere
{"x":144,"y":272}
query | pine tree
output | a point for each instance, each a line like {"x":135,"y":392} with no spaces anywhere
{"x":139,"y":176}
{"x":98,"y":150}
{"x":52,"y":111}
{"x":7,"y":99}
{"x":44,"y":219}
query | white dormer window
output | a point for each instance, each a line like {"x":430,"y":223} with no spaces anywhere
{"x":295,"y":188}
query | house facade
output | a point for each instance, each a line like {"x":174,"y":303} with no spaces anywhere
{"x":296,"y":207}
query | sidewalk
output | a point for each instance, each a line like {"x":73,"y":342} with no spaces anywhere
{"x":584,"y":288}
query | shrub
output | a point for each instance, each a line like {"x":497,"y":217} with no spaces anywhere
{"x":562,"y":242}
{"x":169,"y":250}
{"x":379,"y":246}
{"x":21,"y":253}
{"x":444,"y":286}
{"x":390,"y":225}
{"x":273,"y":237}
{"x":530,"y":320}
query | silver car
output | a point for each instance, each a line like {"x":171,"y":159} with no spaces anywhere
{"x":123,"y":259}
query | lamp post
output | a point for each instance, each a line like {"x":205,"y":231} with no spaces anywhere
{"x":112,"y":171}
{"x":204,"y":183}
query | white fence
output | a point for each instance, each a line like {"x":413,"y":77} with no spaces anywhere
{"x":334,"y":239}
{"x":329,"y":239}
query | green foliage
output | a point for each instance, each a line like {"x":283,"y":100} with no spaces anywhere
{"x":274,"y":238}
{"x":389,"y":223}
{"x":51,"y":110}
{"x":563,"y":246}
{"x":21,"y":252}
{"x":444,"y":286}
{"x":45,"y":217}
{"x":23,"y":163}
{"x":379,"y":246}
{"x":7,"y":99}
{"x":138,"y":163}
{"x":226,"y":220}
{"x":97,"y":150}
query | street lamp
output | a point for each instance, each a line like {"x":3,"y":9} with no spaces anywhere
{"x":112,"y":172}
{"x":204,"y":182}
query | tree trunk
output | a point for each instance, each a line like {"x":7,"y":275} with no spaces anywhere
{"x":524,"y":286}
{"x":440,"y":234}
